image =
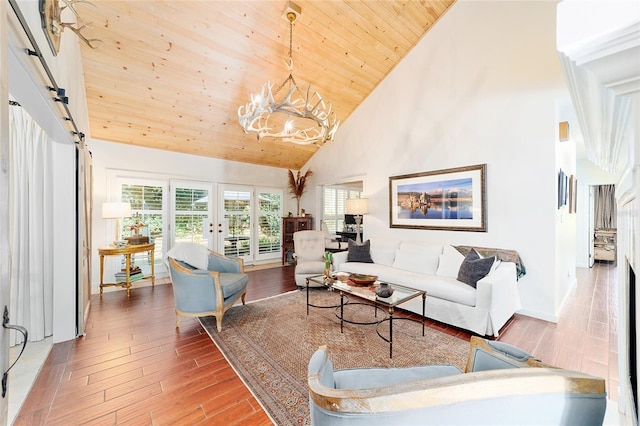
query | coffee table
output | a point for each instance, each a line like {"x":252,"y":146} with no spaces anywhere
{"x":400,"y":295}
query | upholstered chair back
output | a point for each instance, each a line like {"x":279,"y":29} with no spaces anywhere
{"x":309,"y":245}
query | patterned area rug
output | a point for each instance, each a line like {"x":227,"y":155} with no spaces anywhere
{"x":269,"y":344}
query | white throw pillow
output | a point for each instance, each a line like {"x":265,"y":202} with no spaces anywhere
{"x":194,"y":254}
{"x":383,"y":257}
{"x":449,"y":265}
{"x":416,"y":262}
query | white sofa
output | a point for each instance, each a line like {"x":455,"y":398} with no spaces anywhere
{"x":483,"y":310}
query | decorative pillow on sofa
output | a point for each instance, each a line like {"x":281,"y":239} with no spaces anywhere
{"x":449,"y":265}
{"x":416,"y":256}
{"x":474,"y":268}
{"x":415,"y":262}
{"x":359,"y":252}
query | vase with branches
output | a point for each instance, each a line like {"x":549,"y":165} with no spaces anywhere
{"x":297,"y":186}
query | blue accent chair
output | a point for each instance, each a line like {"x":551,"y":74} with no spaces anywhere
{"x":213,"y":291}
{"x":502,"y":385}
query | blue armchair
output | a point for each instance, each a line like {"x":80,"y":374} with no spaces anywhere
{"x":199,"y":292}
{"x":502,"y":385}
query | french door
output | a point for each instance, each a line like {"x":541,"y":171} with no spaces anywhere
{"x":249,"y":224}
{"x":147,"y":200}
{"x":192,"y":213}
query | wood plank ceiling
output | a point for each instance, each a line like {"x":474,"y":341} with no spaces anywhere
{"x":171,"y":74}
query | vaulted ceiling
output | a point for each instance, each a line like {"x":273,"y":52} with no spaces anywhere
{"x":171,"y":74}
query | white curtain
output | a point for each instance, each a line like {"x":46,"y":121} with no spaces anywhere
{"x":605,"y":206}
{"x":31,"y":224}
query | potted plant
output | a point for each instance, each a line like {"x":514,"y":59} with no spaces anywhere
{"x":297,"y":186}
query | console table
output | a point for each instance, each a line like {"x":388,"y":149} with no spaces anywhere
{"x":126,"y":251}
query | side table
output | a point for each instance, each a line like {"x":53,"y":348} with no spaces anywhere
{"x":126,"y":251}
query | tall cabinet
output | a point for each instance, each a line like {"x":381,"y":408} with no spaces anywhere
{"x":290,"y":225}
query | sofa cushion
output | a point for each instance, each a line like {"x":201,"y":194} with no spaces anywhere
{"x":439,"y":287}
{"x":383,"y":250}
{"x":429,"y":254}
{"x":232,"y":283}
{"x":444,"y":288}
{"x":449,"y":265}
{"x":359,"y":252}
{"x":415,"y":262}
{"x":474,"y":268}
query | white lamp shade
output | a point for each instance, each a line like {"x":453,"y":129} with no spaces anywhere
{"x":116,"y":210}
{"x":358,"y":206}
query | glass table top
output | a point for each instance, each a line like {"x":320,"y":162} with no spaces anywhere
{"x":400,"y":294}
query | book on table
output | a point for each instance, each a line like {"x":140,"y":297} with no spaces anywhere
{"x":134,"y":275}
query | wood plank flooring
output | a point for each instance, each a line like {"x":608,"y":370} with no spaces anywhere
{"x":134,"y":367}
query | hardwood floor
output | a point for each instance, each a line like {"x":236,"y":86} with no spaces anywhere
{"x":134,"y":367}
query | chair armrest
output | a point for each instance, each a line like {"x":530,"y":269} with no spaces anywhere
{"x":493,"y":355}
{"x":339,"y":258}
{"x":498,"y":294}
{"x":221,"y":263}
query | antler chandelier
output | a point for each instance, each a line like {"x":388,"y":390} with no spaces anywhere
{"x":302,"y":120}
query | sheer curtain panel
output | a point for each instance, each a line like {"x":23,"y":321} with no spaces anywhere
{"x":31,"y":201}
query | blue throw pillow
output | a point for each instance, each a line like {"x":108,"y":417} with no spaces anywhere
{"x":359,"y":252}
{"x":474,"y":268}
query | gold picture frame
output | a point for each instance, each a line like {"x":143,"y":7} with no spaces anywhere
{"x":449,"y":199}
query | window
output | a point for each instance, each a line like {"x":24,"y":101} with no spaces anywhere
{"x":190,"y":212}
{"x":237,"y":213}
{"x":146,"y":201}
{"x":269,"y":221}
{"x":335,"y":205}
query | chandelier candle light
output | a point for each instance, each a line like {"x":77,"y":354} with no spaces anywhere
{"x":301,"y":120}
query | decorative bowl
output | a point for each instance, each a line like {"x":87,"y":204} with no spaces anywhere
{"x":362,"y":279}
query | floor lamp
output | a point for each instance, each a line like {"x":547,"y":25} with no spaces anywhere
{"x":358,"y":207}
{"x":116,"y":211}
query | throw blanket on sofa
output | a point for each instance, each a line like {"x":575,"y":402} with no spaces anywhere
{"x":506,"y":255}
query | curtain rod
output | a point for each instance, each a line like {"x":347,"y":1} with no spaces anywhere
{"x":37,"y":52}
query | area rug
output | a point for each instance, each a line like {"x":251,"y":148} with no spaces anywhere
{"x":269,"y":344}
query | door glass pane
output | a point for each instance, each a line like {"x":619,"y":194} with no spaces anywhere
{"x":146,"y":208}
{"x":237,"y":213}
{"x":191,"y":209}
{"x":270,"y":222}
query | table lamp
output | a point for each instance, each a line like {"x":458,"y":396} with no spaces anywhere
{"x":358,"y":207}
{"x":116,"y":211}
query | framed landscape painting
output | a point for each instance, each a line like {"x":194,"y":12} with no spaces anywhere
{"x":449,"y":199}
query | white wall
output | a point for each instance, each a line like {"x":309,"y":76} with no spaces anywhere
{"x":481,"y":87}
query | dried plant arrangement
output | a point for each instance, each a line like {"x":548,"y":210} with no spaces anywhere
{"x":297,"y":186}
